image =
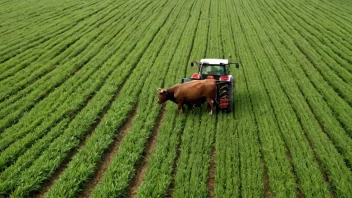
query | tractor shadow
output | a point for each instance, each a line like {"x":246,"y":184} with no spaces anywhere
{"x":243,"y":105}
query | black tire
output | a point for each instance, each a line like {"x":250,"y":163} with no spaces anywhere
{"x":225,"y":92}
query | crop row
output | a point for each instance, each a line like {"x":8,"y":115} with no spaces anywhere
{"x":42,"y":21}
{"x":290,"y":133}
{"x":336,"y":74}
{"x":326,"y":43}
{"x":237,"y":145}
{"x":337,"y":41}
{"x":41,"y":88}
{"x":192,"y":169}
{"x":63,"y":93}
{"x":161,"y":164}
{"x":16,"y":45}
{"x":84,"y":90}
{"x":282,"y":181}
{"x":117,"y":113}
{"x":318,"y":141}
{"x":76,"y":130}
{"x":51,"y":47}
{"x":17,"y":18}
{"x":104,"y":133}
{"x":337,"y":12}
{"x":338,"y":107}
{"x":337,"y":31}
{"x":309,"y":178}
{"x":194,"y":174}
{"x":121,"y":169}
{"x":49,"y":59}
{"x":50,"y":105}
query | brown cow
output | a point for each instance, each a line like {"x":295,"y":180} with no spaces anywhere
{"x":189,"y":93}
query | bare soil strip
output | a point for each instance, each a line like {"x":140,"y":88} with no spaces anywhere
{"x":211,"y":181}
{"x":46,"y":187}
{"x":319,"y":122}
{"x":267,"y":192}
{"x":142,"y":167}
{"x":108,"y":156}
{"x":170,"y":194}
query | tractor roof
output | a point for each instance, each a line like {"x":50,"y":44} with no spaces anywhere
{"x":211,"y":61}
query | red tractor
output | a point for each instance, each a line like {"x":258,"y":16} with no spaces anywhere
{"x":218,"y":69}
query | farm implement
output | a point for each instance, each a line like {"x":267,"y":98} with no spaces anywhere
{"x":218,"y":69}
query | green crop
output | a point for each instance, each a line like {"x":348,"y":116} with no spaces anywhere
{"x":78,"y":110}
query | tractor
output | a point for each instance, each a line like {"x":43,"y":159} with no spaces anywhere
{"x":218,"y":69}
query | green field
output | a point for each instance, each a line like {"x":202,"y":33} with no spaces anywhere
{"x":78,"y":110}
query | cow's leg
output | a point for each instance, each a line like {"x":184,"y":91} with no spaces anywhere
{"x":211,"y":103}
{"x":183,"y":108}
{"x":180,"y":106}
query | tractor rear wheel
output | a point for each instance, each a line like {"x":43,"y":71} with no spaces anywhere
{"x":224,"y":97}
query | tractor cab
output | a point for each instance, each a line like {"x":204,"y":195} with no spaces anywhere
{"x":219,"y":70}
{"x":213,"y":68}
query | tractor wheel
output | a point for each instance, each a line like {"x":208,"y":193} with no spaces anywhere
{"x":224,"y":87}
{"x":225,"y":93}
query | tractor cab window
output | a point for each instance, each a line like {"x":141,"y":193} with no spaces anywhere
{"x":213,"y":70}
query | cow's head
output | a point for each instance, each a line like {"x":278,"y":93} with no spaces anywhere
{"x":161,"y":95}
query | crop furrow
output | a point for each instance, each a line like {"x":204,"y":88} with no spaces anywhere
{"x":238,"y":144}
{"x":75,"y":13}
{"x":144,"y":123}
{"x":273,"y":147}
{"x":92,"y":81}
{"x":69,"y":81}
{"x":47,"y":66}
{"x":323,"y":31}
{"x":330,"y":27}
{"x":159,"y":176}
{"x":71,"y":135}
{"x":53,"y":48}
{"x":20,"y":47}
{"x":142,"y":166}
{"x":333,"y":11}
{"x":78,"y":109}
{"x":103,"y":142}
{"x":340,"y":108}
{"x":11,"y":104}
{"x":38,"y":120}
{"x":108,"y":155}
{"x":41,"y":17}
{"x":324,"y":45}
{"x":342,"y":88}
{"x":212,"y":169}
{"x":311,"y":128}
{"x":19,"y":25}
